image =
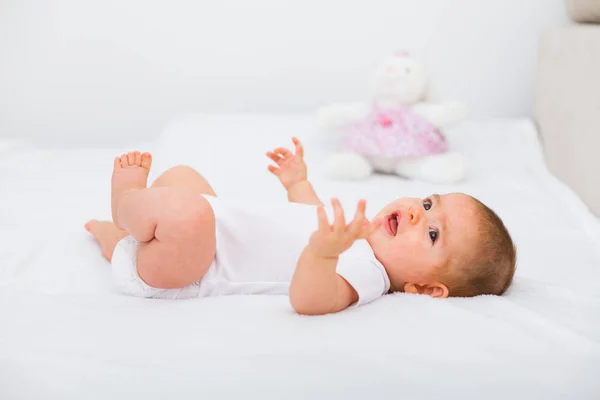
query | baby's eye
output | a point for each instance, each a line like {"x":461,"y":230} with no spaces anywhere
{"x":427,"y":204}
{"x":433,"y":234}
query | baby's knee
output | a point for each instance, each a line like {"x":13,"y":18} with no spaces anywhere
{"x":179,"y":175}
{"x":182,"y":170}
{"x":198,"y":214}
{"x":192,"y":214}
{"x":185,"y":177}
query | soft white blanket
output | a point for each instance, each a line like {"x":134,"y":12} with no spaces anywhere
{"x":65,"y":332}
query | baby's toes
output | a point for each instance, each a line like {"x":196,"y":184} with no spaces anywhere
{"x":124,"y":160}
{"x":90,"y":225}
{"x":131,"y":158}
{"x":138,"y":158}
{"x":146,"y":160}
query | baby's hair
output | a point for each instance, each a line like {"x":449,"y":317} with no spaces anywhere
{"x":490,"y":268}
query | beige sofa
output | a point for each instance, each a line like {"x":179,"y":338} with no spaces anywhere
{"x":567,"y":101}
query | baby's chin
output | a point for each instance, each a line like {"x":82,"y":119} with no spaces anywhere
{"x":378,"y":239}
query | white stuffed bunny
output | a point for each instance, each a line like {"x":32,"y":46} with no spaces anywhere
{"x":399,"y":131}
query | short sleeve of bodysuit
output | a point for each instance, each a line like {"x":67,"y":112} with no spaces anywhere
{"x":359,"y":267}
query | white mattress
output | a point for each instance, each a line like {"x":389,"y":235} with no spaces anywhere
{"x":66,"y":333}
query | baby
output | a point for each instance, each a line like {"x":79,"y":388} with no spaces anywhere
{"x":176,"y":239}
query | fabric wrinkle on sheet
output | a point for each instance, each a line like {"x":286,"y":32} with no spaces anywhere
{"x":258,"y":247}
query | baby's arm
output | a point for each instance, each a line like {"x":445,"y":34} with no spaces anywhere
{"x":316,"y":288}
{"x":292,"y":173}
{"x":303,"y":192}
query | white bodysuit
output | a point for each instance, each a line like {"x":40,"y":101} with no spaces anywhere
{"x":258,"y":247}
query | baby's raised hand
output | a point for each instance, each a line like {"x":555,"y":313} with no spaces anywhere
{"x":291,"y":168}
{"x":333,"y":240}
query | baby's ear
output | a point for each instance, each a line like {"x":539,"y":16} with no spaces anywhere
{"x":438,"y":290}
{"x":411,"y":288}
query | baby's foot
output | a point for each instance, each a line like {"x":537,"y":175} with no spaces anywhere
{"x":130,"y":173}
{"x":106,"y":234}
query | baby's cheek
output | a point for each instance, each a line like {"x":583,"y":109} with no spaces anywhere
{"x":416,"y":264}
{"x":402,"y":257}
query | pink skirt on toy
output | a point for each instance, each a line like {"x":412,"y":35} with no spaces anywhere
{"x":394,"y":133}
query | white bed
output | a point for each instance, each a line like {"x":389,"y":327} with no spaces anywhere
{"x":66,"y":333}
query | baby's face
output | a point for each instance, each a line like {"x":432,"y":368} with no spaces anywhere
{"x":418,"y":236}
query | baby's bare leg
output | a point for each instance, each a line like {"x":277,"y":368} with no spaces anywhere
{"x":184,"y":176}
{"x":107,"y":235}
{"x":130,"y":173}
{"x":174,"y":225}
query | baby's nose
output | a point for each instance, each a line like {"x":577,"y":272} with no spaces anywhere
{"x":414,"y":214}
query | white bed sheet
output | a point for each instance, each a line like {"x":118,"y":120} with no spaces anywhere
{"x":66,"y":333}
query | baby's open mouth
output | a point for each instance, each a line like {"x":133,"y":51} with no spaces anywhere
{"x":392,"y":223}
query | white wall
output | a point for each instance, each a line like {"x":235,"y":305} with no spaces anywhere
{"x":108,"y":69}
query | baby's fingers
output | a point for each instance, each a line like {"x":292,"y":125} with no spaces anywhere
{"x":283,"y":152}
{"x":370,"y":228}
{"x":299,"y":148}
{"x":275,"y":157}
{"x":274,"y":170}
{"x":339,"y":223}
{"x":323,"y":222}
{"x":359,"y":218}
